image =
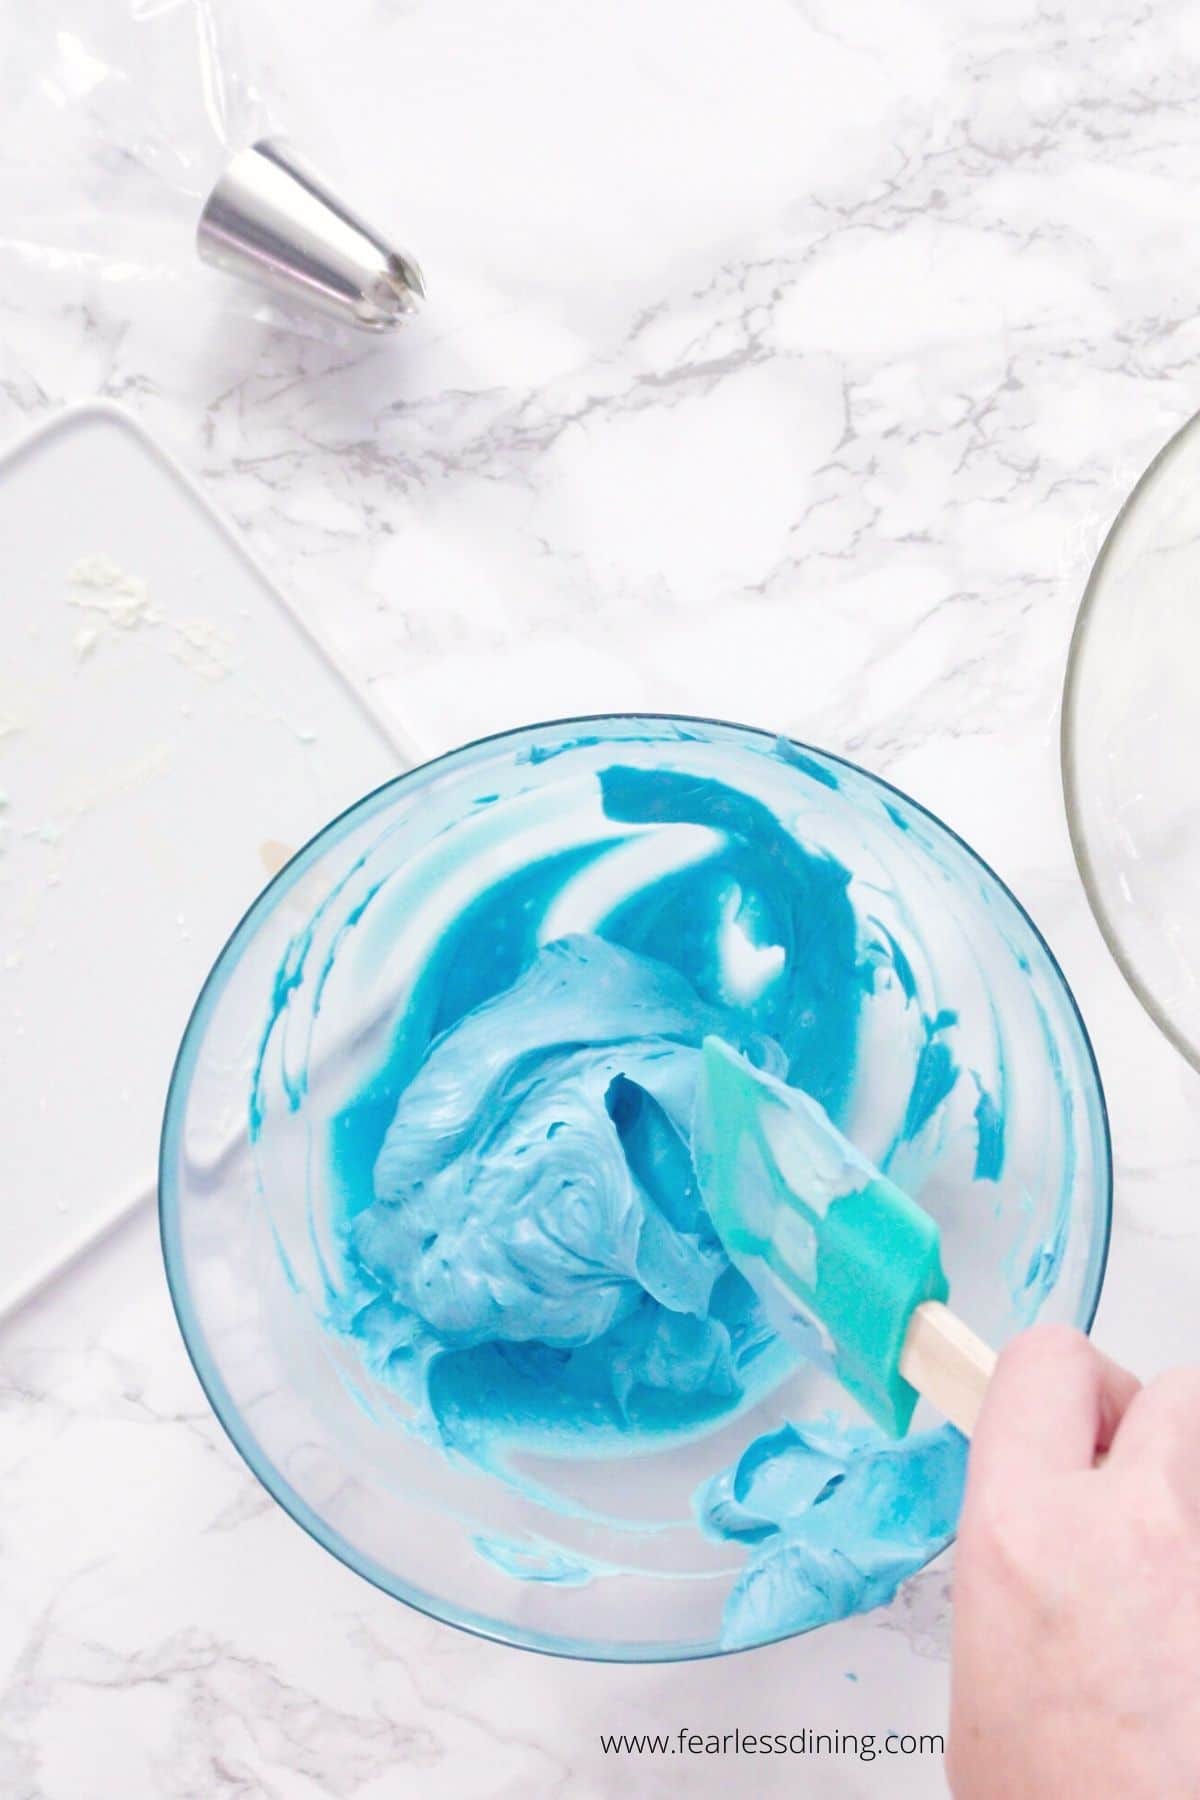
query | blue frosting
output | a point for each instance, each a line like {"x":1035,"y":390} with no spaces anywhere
{"x":525,"y":1246}
{"x":834,"y":1521}
{"x":536,"y":1230}
{"x":522,"y":1248}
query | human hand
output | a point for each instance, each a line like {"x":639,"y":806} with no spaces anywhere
{"x":1076,"y":1660}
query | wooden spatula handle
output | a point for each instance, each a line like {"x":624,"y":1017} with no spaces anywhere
{"x":944,"y":1360}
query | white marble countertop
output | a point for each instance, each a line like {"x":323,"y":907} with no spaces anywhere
{"x":783,"y":362}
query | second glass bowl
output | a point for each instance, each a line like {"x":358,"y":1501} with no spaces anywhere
{"x":1131,"y":740}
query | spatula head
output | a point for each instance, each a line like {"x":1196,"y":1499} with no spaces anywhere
{"x":798,"y":1207}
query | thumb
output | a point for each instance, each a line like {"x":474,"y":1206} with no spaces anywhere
{"x":1053,"y":1402}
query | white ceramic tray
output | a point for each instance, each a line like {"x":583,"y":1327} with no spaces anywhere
{"x":169,"y":733}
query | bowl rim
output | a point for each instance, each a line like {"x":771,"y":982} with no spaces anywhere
{"x":226,"y":1410}
{"x":1072,"y":774}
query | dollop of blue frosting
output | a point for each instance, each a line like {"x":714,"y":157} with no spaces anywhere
{"x":535,"y":1189}
{"x":524,"y":1251}
{"x":834,"y":1521}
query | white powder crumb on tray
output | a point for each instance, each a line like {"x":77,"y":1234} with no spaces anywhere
{"x":100,"y":585}
{"x":203,"y":647}
{"x":96,"y":570}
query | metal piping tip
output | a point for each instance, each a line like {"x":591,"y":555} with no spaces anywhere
{"x":271,"y":219}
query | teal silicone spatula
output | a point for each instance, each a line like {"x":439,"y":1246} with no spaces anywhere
{"x":800,"y":1209}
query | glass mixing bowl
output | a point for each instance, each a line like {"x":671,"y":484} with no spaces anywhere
{"x":600,"y":1554}
{"x":1131,"y":740}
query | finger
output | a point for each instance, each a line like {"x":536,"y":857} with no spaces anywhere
{"x":1119,"y":1390}
{"x":1162,"y":1427}
{"x":1052,"y":1402}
